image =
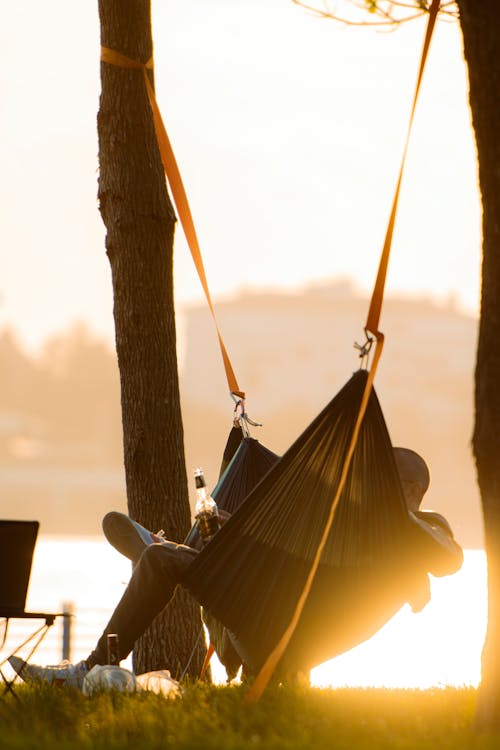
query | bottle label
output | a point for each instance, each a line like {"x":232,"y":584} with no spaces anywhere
{"x":199,"y":479}
{"x":208,"y":523}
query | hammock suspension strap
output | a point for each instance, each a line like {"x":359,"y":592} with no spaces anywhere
{"x":112,"y":57}
{"x":374,"y":311}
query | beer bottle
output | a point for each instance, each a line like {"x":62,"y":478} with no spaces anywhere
{"x":206,"y":511}
{"x":113,"y":650}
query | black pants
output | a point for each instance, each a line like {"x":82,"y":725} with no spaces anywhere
{"x":160,"y":569}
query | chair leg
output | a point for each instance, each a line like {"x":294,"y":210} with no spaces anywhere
{"x":8,"y":686}
{"x":39,"y":635}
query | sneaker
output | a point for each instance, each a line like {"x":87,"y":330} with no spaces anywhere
{"x":70,"y":675}
{"x":128,"y":536}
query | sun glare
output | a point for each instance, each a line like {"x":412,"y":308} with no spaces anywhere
{"x":440,"y":646}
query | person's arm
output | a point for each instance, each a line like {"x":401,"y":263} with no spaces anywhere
{"x":441,"y":554}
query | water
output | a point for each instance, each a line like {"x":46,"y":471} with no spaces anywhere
{"x":439,"y":646}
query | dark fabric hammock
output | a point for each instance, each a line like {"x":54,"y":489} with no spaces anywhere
{"x":248,"y":466}
{"x":251,"y":574}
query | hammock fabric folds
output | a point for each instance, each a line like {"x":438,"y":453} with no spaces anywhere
{"x":251,"y":574}
{"x":249,"y":464}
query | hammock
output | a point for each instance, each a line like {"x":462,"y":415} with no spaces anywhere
{"x":250,"y":462}
{"x":252,"y":573}
{"x":318,"y":556}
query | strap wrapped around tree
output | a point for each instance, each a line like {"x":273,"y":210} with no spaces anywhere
{"x":252,"y":573}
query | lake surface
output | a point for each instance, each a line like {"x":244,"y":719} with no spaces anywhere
{"x":437,"y":647}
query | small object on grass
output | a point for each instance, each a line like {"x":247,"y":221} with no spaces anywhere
{"x":108,"y":677}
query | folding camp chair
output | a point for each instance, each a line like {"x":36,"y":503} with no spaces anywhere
{"x":17,"y":545}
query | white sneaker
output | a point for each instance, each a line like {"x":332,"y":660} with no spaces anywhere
{"x":128,"y":536}
{"x":62,"y":674}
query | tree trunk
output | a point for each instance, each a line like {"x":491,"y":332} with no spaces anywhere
{"x":140,"y":222}
{"x":480,"y":22}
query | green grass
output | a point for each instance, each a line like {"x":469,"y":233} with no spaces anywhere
{"x":216,"y":717}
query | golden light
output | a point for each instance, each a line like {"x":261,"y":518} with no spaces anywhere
{"x":439,"y":646}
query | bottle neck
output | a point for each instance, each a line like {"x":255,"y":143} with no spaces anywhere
{"x":199,"y":479}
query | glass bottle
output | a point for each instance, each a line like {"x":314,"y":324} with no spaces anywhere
{"x":113,"y":650}
{"x":206,"y":511}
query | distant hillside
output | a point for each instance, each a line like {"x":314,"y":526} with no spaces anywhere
{"x":60,"y":428}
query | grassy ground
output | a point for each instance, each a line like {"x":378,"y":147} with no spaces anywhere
{"x":216,"y":717}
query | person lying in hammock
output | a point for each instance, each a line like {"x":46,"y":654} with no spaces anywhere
{"x":161,"y":565}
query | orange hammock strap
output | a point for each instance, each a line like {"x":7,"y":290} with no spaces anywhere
{"x":372,"y":321}
{"x":206,"y":661}
{"x":179,"y":194}
{"x":372,"y":325}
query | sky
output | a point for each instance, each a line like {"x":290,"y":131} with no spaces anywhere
{"x":288,"y":131}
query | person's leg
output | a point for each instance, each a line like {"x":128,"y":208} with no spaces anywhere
{"x":155,"y":577}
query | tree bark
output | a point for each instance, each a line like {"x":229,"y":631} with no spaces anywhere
{"x":480,"y":23}
{"x":140,"y":222}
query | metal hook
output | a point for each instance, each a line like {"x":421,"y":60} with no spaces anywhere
{"x":364,"y":349}
{"x":242,"y":419}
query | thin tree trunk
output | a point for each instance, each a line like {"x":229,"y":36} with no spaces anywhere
{"x":480,"y":22}
{"x":140,"y":222}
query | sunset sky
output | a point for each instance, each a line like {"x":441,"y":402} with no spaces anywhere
{"x":288,"y":131}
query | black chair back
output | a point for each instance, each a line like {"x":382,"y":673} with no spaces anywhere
{"x":17,"y":545}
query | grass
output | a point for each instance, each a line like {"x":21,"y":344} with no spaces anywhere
{"x":211,"y":717}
